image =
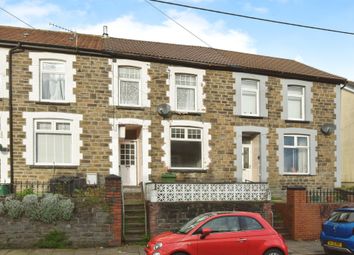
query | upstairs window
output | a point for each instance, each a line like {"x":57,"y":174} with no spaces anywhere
{"x":186,"y":86}
{"x":52,"y":80}
{"x":129,"y":85}
{"x":296,"y":102}
{"x":186,"y":148}
{"x":296,"y":154}
{"x":250,"y":97}
{"x":53,"y":142}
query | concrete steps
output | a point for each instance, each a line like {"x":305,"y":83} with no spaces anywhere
{"x":134,"y":215}
{"x":278,"y":225}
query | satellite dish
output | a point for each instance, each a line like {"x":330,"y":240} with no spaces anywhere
{"x":328,"y":128}
{"x":164,"y":110}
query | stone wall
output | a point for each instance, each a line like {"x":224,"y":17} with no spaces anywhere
{"x":170,"y":216}
{"x":91,"y":226}
{"x":92,"y":102}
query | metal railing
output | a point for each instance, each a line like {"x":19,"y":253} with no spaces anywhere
{"x":190,"y":192}
{"x":329,"y":196}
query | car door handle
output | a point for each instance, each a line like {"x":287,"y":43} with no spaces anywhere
{"x":241,"y":240}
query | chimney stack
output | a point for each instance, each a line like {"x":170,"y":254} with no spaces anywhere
{"x":105,"y":32}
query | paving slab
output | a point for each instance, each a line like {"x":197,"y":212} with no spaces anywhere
{"x":305,"y":247}
{"x":18,"y":252}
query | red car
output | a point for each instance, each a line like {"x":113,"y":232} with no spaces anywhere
{"x":221,"y":233}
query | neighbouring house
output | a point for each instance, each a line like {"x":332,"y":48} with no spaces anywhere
{"x":347,"y":113}
{"x":83,"y":104}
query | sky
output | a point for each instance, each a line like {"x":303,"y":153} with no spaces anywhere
{"x":136,"y":19}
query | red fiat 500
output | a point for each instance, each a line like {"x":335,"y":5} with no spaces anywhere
{"x":220,"y":233}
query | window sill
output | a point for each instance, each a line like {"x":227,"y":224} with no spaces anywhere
{"x":298,"y":121}
{"x":53,"y":167}
{"x":139,"y":108}
{"x":187,"y":170}
{"x":297,"y":174}
{"x":188,"y":113}
{"x":251,"y":117}
{"x":53,"y":103}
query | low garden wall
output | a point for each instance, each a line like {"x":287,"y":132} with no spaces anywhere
{"x":167,"y":216}
{"x":95,"y":221}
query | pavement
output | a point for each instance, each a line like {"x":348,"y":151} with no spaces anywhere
{"x":295,"y":248}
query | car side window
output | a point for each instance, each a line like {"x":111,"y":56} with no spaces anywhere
{"x":222,"y":224}
{"x":248,"y":223}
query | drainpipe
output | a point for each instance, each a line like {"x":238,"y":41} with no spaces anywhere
{"x":12,"y":51}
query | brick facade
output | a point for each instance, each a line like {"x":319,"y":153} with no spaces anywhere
{"x":92,"y":102}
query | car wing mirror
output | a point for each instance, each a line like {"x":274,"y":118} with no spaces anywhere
{"x":205,"y":232}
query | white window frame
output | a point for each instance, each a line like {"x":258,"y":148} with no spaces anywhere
{"x":4,"y":78}
{"x":244,"y":90}
{"x":33,"y":117}
{"x":262,"y":92}
{"x":53,"y":131}
{"x":41,"y":72}
{"x":5,"y":142}
{"x":199,"y":93}
{"x":36,"y":81}
{"x":295,"y":96}
{"x":312,"y":134}
{"x":144,"y":89}
{"x":307,"y":101}
{"x":206,"y":137}
{"x":195,"y":88}
{"x":187,"y":139}
{"x":296,"y":146}
{"x":132,"y":80}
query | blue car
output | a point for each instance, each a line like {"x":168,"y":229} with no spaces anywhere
{"x":337,"y":236}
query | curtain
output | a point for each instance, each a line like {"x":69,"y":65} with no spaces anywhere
{"x":129,"y":93}
{"x":249,"y":102}
{"x":53,"y":86}
{"x":54,"y":148}
{"x":185,"y":99}
{"x":294,"y":108}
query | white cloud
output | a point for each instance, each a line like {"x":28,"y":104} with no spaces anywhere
{"x":251,"y":8}
{"x":216,"y":33}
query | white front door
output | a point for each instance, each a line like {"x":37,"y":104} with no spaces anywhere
{"x":247,"y":162}
{"x":128,"y":163}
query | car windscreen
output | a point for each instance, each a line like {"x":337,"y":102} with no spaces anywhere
{"x":344,"y":217}
{"x":194,"y":222}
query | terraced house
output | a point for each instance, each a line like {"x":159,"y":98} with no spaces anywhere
{"x":76,"y":104}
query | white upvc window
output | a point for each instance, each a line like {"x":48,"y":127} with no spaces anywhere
{"x":186,"y":91}
{"x":53,"y":142}
{"x":296,"y":154}
{"x":296,"y":102}
{"x":129,"y":88}
{"x":52,"y":77}
{"x":52,"y":80}
{"x":250,"y":97}
{"x":186,"y":148}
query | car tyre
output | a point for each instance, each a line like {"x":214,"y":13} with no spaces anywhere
{"x":273,"y":252}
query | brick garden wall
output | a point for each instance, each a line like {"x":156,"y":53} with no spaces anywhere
{"x":169,"y":216}
{"x":304,"y":220}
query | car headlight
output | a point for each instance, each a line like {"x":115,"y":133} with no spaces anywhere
{"x":157,"y":246}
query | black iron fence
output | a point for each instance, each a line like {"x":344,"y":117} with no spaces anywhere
{"x":330,"y":195}
{"x":68,"y":186}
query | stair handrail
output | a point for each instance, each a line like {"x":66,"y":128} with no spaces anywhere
{"x":145,"y":212}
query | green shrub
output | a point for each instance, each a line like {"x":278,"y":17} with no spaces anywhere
{"x":27,"y":191}
{"x":2,"y":208}
{"x":31,"y":207}
{"x":66,"y":209}
{"x":54,"y":240}
{"x":14,"y":208}
{"x":49,"y":208}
